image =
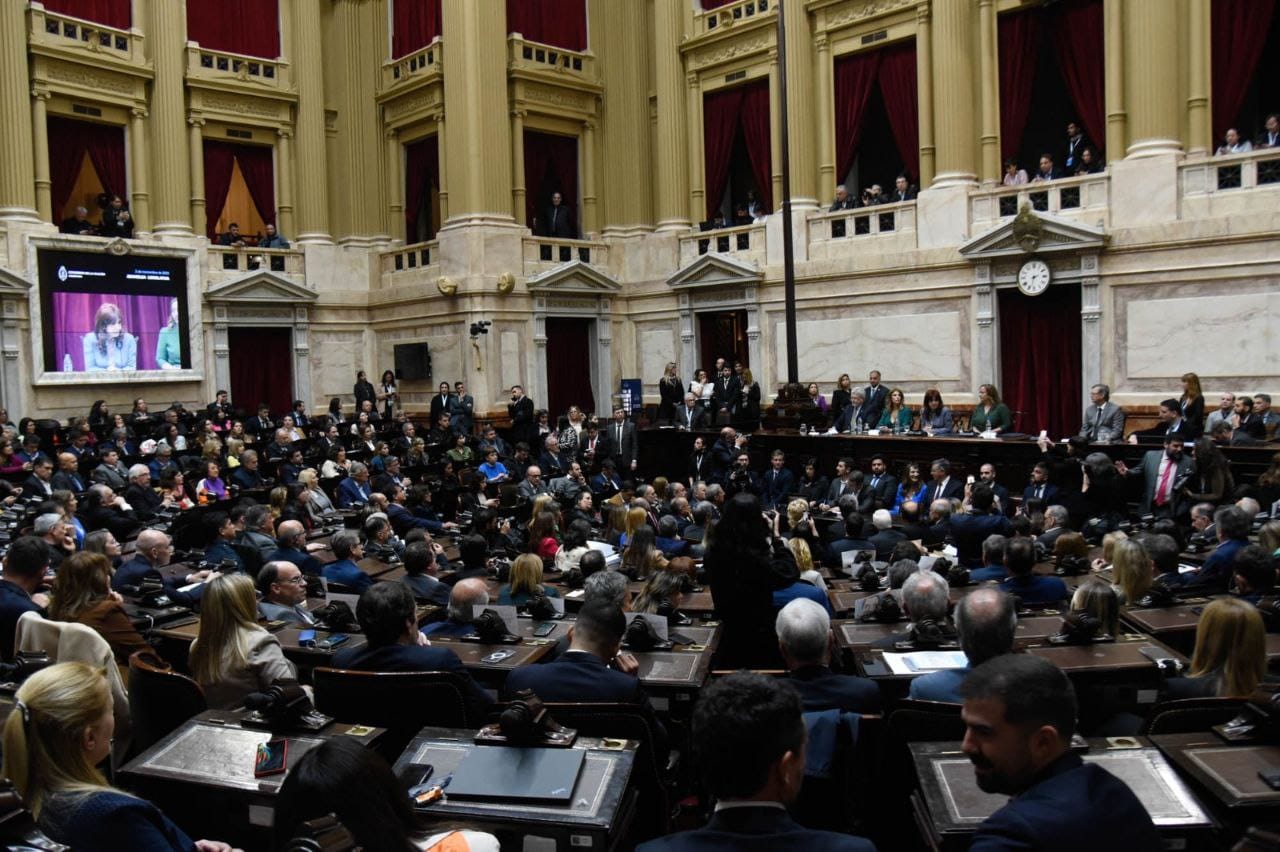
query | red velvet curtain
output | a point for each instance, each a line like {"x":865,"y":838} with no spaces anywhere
{"x":261,"y":367}
{"x":898,"y":88}
{"x":757,"y":134}
{"x":715,"y":4}
{"x":855,"y":77}
{"x":113,"y":13}
{"x":421,"y":171}
{"x":1078,"y":39}
{"x":259,"y":171}
{"x":560,"y":23}
{"x":414,"y":23}
{"x":568,"y":366}
{"x":219,"y":159}
{"x":1238,"y":35}
{"x":550,"y":166}
{"x":68,"y":141}
{"x":720,"y":111}
{"x":1018,"y":38}
{"x":251,"y":27}
{"x":1040,"y":359}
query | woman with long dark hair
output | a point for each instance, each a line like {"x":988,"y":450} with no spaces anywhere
{"x":1212,"y":481}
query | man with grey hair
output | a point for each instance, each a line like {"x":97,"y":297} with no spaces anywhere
{"x":354,"y":490}
{"x":985,"y":625}
{"x":78,"y":224}
{"x":247,"y":477}
{"x":886,"y":538}
{"x":532,"y":484}
{"x":855,"y":414}
{"x":607,"y":586}
{"x":259,"y":530}
{"x":992,"y":560}
{"x":1103,"y":420}
{"x":111,"y":471}
{"x":715,"y":499}
{"x":284,"y":594}
{"x":51,"y":528}
{"x":139,"y":493}
{"x":924,"y":601}
{"x":805,"y":639}
{"x":1056,"y":520}
{"x":843,"y":200}
{"x":466,"y":593}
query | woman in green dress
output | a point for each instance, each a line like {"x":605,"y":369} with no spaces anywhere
{"x":990,"y":414}
{"x":896,"y":416}
{"x":168,"y":346}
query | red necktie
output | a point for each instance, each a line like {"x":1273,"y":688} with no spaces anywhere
{"x":1163,"y":488}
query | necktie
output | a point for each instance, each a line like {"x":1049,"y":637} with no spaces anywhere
{"x":875,"y":480}
{"x":618,"y":438}
{"x":1097,"y":422}
{"x":1040,"y":492}
{"x":1162,"y":489}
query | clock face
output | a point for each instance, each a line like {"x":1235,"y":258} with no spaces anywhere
{"x":1033,"y":277}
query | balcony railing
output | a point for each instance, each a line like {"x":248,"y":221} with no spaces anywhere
{"x":219,"y":65}
{"x":863,"y":222}
{"x":410,"y":257}
{"x":1231,"y":172}
{"x":543,"y":253}
{"x":1087,"y":194}
{"x":239,"y":260}
{"x":58,"y":30}
{"x":730,"y":14}
{"x":422,"y":63}
{"x":526,"y":55}
{"x":745,"y":242}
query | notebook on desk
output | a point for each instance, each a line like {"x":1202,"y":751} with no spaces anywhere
{"x":491,"y":773}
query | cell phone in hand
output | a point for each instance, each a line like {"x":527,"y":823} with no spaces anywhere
{"x":271,"y":758}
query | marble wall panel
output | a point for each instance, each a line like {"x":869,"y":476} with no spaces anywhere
{"x":335,"y":358}
{"x":513,"y":361}
{"x":912,"y":347}
{"x":657,"y":346}
{"x":1167,"y":337}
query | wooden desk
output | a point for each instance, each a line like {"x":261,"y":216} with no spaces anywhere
{"x":1227,"y":774}
{"x":1105,"y":659}
{"x":494,"y":673}
{"x":177,"y":642}
{"x":853,"y":636}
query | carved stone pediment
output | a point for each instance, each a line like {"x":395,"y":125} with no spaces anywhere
{"x":1033,"y":233}
{"x":259,"y":286}
{"x":574,"y":277}
{"x":13,"y":285}
{"x":714,"y":270}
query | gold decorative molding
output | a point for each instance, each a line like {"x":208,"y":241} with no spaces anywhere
{"x":854,"y":11}
{"x":506,"y":283}
{"x":446,"y":286}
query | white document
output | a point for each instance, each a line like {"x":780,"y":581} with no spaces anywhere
{"x":919,"y":662}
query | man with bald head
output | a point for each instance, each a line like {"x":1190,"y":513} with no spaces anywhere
{"x":291,"y":546}
{"x":985,"y":622}
{"x":532,"y":484}
{"x":152,"y":552}
{"x":466,"y":594}
{"x":284,"y":594}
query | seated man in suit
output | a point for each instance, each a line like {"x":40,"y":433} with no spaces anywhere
{"x":840,"y":485}
{"x":284,"y":594}
{"x":389,"y":618}
{"x":749,"y":741}
{"x":856,"y":415}
{"x":1031,"y":588}
{"x":987,"y":476}
{"x":804,"y":636}
{"x":103,"y":509}
{"x":258,"y":530}
{"x":43,"y":481}
{"x":247,"y":476}
{"x":466,"y":594}
{"x":1225,"y":434}
{"x":1103,"y":420}
{"x":140,"y":495}
{"x":1057,"y":520}
{"x":1254,"y":574}
{"x":668,"y":539}
{"x":1019,"y":714}
{"x":593,"y":669}
{"x":349,"y":550}
{"x":111,"y":472}
{"x":1040,"y":488}
{"x":690,"y":416}
{"x":24,"y":567}
{"x":985,"y":624}
{"x":970,"y":529}
{"x":1247,"y":421}
{"x":1171,"y":423}
{"x":851,"y":538}
{"x":1233,"y":525}
{"x":882,"y":484}
{"x":942,"y":485}
{"x":886,"y":538}
{"x":221,"y":533}
{"x":552,"y":462}
{"x":778,"y":483}
{"x":68,"y":477}
{"x":606,"y":483}
{"x":153,"y":550}
{"x":291,"y":546}
{"x":992,"y":560}
{"x":924,"y":600}
{"x":355,"y":488}
{"x":532,"y":484}
{"x":421,"y":560}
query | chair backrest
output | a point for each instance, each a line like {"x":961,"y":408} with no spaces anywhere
{"x":1190,"y":715}
{"x":160,"y":698}
{"x":68,"y":642}
{"x":401,"y":702}
{"x":626,"y":721}
{"x":250,"y":556}
{"x":842,"y":802}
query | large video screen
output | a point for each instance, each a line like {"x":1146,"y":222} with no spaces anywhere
{"x":107,"y":314}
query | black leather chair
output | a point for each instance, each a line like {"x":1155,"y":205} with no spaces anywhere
{"x":160,"y":699}
{"x":401,"y":702}
{"x":1190,"y":715}
{"x":843,"y":802}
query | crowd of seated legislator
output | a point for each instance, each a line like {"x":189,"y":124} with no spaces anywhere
{"x":249,"y":518}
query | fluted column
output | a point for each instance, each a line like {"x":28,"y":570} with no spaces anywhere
{"x":1151,"y":49}
{"x":1199,"y":121}
{"x":924,"y":92}
{"x":285,"y":181}
{"x":395,"y":186}
{"x":802,"y":142}
{"x":989,"y":74}
{"x":954,"y":45}
{"x":169,"y":154}
{"x":308,"y":73}
{"x":587,"y":143}
{"x":195,"y":154}
{"x":444,"y":172}
{"x":625,"y":39}
{"x":824,"y":73}
{"x":775,"y":129}
{"x":40,"y":147}
{"x":672,"y":160}
{"x":17,"y":178}
{"x":1113,"y":77}
{"x":518,"y":188}
{"x":695,"y":161}
{"x":140,"y":194}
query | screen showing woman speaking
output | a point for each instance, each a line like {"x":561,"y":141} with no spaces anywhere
{"x":105,"y":314}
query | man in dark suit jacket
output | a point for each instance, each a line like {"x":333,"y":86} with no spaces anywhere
{"x":902,"y":190}
{"x":969,"y":530}
{"x":1163,"y":472}
{"x":1171,"y":423}
{"x":856,"y":415}
{"x":520,"y":410}
{"x":623,"y":446}
{"x":24,"y":567}
{"x":1040,"y":487}
{"x":43,"y":481}
{"x":556,"y":220}
{"x":393,"y":643}
{"x":153,"y":551}
{"x":583,"y":674}
{"x":1020,"y":712}
{"x":777,"y":483}
{"x":749,"y":741}
{"x":461,"y":410}
{"x":726,"y":393}
{"x":1103,"y":420}
{"x":943,"y":486}
{"x":886,"y":537}
{"x":882,"y":485}
{"x":804,"y":636}
{"x":690,"y":416}
{"x":876,"y":396}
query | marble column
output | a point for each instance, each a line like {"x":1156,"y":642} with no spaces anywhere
{"x":954,"y":45}
{"x":518,"y":189}
{"x":1151,"y":49}
{"x":170,"y":156}
{"x":824,"y":75}
{"x":625,"y":37}
{"x":1199,"y":121}
{"x":989,"y":74}
{"x":308,"y":73}
{"x":587,"y":143}
{"x":17,"y":177}
{"x":444,"y":172}
{"x":775,"y":129}
{"x":139,"y":177}
{"x":195,"y":148}
{"x":1113,"y":77}
{"x":395,"y":186}
{"x":696,"y":164}
{"x":672,"y":161}
{"x":800,"y":108}
{"x":40,"y":148}
{"x":285,"y":181}
{"x":924,"y":92}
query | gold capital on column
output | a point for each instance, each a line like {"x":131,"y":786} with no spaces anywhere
{"x":1150,"y":50}
{"x":170,"y":155}
{"x":672,"y":161}
{"x":17,"y":177}
{"x":140,"y":203}
{"x":955,"y":88}
{"x":40,"y":143}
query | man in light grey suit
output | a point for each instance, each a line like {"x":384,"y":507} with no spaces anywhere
{"x":284,"y":593}
{"x":1163,"y":472}
{"x":1103,"y":419}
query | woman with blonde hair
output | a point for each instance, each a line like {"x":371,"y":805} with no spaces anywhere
{"x":1096,"y":598}
{"x":58,"y":732}
{"x":748,"y":411}
{"x":615,"y":518}
{"x":526,"y":582}
{"x":670,"y":393}
{"x":277,"y":500}
{"x":82,"y":593}
{"x":662,"y":587}
{"x":1191,"y":404}
{"x":319,"y":502}
{"x":642,"y":557}
{"x":235,"y":449}
{"x":1131,"y":570}
{"x":232,"y":655}
{"x":1230,"y":657}
{"x":635,"y":519}
{"x":804,"y":561}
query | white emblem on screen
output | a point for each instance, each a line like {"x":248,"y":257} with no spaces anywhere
{"x":62,"y":273}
